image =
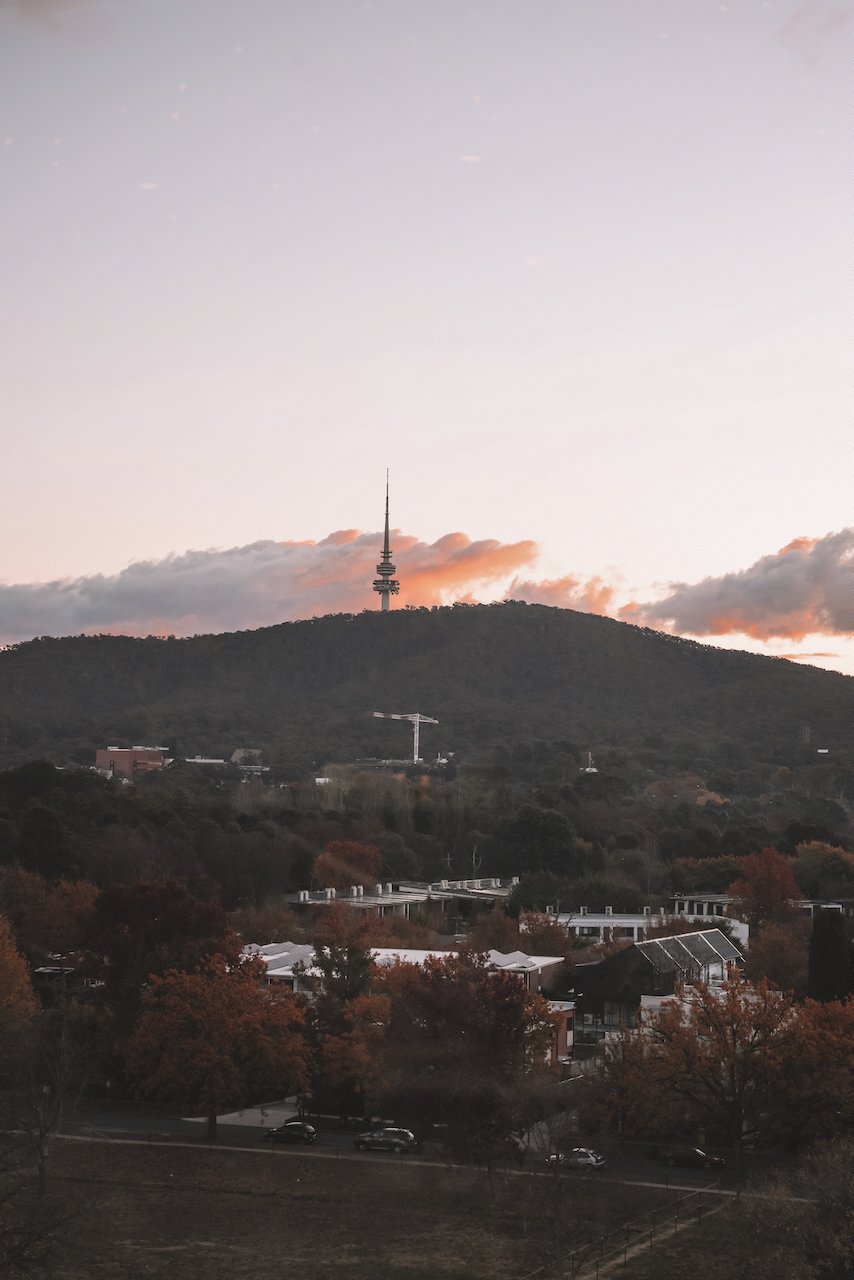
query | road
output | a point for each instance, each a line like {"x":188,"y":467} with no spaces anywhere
{"x":146,"y":1127}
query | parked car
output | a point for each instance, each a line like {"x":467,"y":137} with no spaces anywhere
{"x":577,"y":1158}
{"x":292,"y":1131}
{"x":386,"y":1140}
{"x":691,"y":1158}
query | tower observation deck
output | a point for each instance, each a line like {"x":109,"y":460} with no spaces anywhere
{"x":386,"y":585}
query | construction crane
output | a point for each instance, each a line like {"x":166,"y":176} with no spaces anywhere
{"x":416,"y":719}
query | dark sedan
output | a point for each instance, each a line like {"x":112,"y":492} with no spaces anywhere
{"x":293,"y":1131}
{"x":691,"y":1158}
{"x":387,"y":1139}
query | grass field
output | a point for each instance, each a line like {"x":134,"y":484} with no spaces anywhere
{"x":139,"y":1212}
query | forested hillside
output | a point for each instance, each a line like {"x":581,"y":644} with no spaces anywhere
{"x":492,"y":675}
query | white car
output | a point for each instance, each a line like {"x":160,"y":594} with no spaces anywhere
{"x":577,"y":1158}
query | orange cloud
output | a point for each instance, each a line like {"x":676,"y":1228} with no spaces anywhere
{"x":805,"y":588}
{"x":592,"y":596}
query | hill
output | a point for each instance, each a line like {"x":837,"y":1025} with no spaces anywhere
{"x":493,"y":675}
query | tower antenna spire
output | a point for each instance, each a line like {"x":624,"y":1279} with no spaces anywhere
{"x":385,"y":584}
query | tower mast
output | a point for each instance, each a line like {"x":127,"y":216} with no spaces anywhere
{"x":386,"y":585}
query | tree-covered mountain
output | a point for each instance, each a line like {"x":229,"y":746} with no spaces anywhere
{"x":492,"y":675}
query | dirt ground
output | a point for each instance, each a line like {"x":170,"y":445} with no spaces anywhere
{"x":139,"y":1212}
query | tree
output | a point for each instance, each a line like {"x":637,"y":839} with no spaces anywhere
{"x":534,"y":839}
{"x":814,"y":1093}
{"x":709,"y":1057}
{"x":494,"y":931}
{"x":17,"y":1002}
{"x":216,"y":1040}
{"x":829,"y":976}
{"x":343,"y":863}
{"x":458,"y":1036}
{"x":145,"y":929}
{"x":43,"y":1068}
{"x":47,"y":919}
{"x":766,"y":886}
{"x":542,"y":935}
{"x":778,"y":952}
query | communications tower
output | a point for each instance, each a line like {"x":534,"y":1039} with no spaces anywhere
{"x":386,"y":585}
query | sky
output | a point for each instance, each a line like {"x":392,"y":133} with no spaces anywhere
{"x":577,"y":272}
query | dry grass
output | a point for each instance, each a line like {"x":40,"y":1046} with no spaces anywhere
{"x":139,"y":1212}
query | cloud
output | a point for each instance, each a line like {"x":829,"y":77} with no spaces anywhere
{"x":805,"y":588}
{"x":592,"y":596}
{"x":258,"y":585}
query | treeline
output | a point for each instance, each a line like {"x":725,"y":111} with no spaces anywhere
{"x":621,"y":837}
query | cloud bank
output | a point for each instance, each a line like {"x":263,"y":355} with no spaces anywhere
{"x":806,"y":588}
{"x":258,"y":585}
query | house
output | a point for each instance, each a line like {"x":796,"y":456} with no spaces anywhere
{"x":611,"y":993}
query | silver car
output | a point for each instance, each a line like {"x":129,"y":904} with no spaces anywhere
{"x":577,"y":1158}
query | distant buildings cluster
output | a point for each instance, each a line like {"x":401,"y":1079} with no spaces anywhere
{"x":130,"y":763}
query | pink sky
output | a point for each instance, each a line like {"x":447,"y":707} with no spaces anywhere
{"x":578,"y":273}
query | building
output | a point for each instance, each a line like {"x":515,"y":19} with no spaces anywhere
{"x":618,"y":926}
{"x":130,"y":762}
{"x":457,"y":901}
{"x":611,"y":993}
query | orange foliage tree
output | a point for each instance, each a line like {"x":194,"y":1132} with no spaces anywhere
{"x":17,"y":1002}
{"x":217,"y":1040}
{"x":47,"y":918}
{"x":343,"y":863}
{"x":711,"y":1059}
{"x":766,"y":886}
{"x":458,"y":1037}
{"x":815,"y":1094}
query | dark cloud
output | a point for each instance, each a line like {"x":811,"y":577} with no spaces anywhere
{"x":805,"y":588}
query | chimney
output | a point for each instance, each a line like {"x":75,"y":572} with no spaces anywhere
{"x":582,"y":911}
{"x":354,"y":891}
{"x":329,"y":894}
{"x":609,"y":911}
{"x":379,"y":891}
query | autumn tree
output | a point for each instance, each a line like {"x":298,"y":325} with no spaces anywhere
{"x":343,"y":863}
{"x":543,"y":935}
{"x":814,"y":1093}
{"x":217,"y":1040}
{"x":145,"y":929}
{"x":766,"y":886}
{"x":829,"y":976}
{"x":47,"y":918}
{"x":494,"y":931}
{"x":459,"y":1035}
{"x":708,"y":1058}
{"x":17,"y":1002}
{"x":778,"y":951}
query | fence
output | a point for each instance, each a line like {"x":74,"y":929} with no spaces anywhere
{"x":586,"y":1262}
